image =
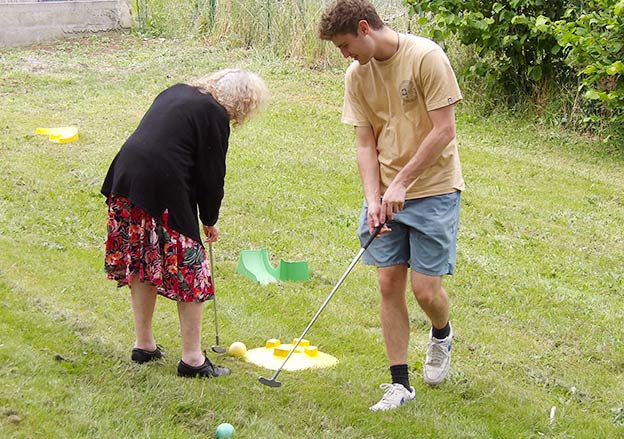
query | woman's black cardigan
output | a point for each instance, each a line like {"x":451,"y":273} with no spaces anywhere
{"x":175,"y":160}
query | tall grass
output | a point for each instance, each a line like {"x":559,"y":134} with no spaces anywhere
{"x":285,"y":27}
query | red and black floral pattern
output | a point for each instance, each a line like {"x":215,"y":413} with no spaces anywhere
{"x":138,"y":243}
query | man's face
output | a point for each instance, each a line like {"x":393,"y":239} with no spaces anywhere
{"x":357,"y":47}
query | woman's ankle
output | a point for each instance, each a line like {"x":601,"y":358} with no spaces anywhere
{"x":145,"y":345}
{"x":195,"y":359}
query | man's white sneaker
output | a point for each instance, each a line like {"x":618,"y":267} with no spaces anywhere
{"x":395,"y":396}
{"x":438,"y":359}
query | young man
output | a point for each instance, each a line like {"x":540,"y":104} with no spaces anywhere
{"x":400,"y":96}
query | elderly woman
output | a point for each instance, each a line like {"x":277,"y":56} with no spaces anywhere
{"x":171,"y":167}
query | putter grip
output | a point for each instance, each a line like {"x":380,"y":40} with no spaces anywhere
{"x":373,"y":235}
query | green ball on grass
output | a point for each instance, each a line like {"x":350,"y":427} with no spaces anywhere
{"x":225,"y":430}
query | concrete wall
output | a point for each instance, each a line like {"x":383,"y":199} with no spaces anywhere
{"x":23,"y":22}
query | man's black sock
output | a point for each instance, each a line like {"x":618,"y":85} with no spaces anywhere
{"x":400,"y":375}
{"x":441,"y":334}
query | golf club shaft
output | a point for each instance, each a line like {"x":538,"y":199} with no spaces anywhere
{"x":318,"y":313}
{"x":214,"y":297}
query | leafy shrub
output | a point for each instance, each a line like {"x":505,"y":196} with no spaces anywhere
{"x":594,"y":42}
{"x":516,"y":51}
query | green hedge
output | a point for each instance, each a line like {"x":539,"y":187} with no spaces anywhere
{"x":532,"y":47}
{"x":594,"y":42}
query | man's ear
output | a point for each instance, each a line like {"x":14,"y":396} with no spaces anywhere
{"x":363,"y":27}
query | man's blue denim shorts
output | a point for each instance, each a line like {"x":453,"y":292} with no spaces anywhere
{"x":424,"y":236}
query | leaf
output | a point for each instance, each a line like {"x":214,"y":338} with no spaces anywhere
{"x":509,"y":40}
{"x":535,"y":72}
{"x":542,"y":23}
{"x":519,"y":19}
{"x":594,"y":94}
{"x":615,"y":68}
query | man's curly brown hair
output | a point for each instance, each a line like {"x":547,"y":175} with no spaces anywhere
{"x":342,"y":17}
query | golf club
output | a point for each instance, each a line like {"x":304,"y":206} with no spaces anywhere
{"x":215,"y":347}
{"x":272,"y":382}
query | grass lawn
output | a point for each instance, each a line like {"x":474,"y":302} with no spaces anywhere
{"x":537,"y":299}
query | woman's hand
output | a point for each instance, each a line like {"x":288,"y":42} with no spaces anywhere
{"x":211,"y":232}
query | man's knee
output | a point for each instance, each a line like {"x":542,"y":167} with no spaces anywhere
{"x":427,"y":289}
{"x":393,"y":281}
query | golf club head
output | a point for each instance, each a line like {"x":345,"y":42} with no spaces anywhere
{"x":218,"y":349}
{"x":269,"y":382}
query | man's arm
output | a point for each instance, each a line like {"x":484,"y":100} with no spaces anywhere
{"x":441,"y":134}
{"x":368,"y":164}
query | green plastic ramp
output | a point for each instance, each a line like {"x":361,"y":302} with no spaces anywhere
{"x":255,"y":265}
{"x":293,"y":271}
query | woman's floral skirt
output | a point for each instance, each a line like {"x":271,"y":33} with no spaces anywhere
{"x":145,"y":246}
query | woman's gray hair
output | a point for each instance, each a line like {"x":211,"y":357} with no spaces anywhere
{"x":241,"y":92}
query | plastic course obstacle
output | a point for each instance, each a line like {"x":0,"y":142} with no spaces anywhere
{"x":255,"y":265}
{"x":273,"y":354}
{"x":60,"y":134}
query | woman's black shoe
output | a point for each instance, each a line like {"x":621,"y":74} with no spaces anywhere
{"x":142,"y":356}
{"x":207,"y":370}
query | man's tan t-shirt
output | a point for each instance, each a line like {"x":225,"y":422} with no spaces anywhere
{"x":394,"y":97}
